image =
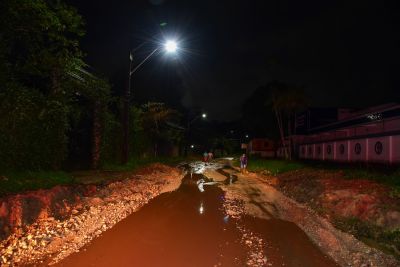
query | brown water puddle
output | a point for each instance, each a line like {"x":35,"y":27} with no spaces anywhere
{"x":187,"y":228}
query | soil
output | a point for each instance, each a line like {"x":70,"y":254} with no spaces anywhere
{"x":50,"y":237}
{"x":244,"y":219}
{"x":262,"y":198}
{"x":334,"y":196}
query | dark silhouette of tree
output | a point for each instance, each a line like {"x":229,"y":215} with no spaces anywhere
{"x":286,"y":100}
{"x":155,"y":122}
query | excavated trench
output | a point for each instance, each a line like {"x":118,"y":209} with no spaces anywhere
{"x":190,"y":228}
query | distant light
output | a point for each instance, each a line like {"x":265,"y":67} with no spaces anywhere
{"x":163,"y":24}
{"x":171,"y":46}
{"x":192,"y":146}
{"x":247,"y":136}
{"x":204,"y":115}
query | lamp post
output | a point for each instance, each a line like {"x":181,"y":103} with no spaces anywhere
{"x":170,"y":46}
{"x":190,"y":122}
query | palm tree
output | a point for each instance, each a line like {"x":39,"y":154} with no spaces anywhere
{"x":286,"y":101}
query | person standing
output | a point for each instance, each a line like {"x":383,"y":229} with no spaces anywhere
{"x":243,"y":163}
{"x":205,"y":156}
{"x":210,"y":156}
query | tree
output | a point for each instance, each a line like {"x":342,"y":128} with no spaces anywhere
{"x":156,"y":118}
{"x":97,"y":92}
{"x":286,"y":100}
{"x":39,"y":55}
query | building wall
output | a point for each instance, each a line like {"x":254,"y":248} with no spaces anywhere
{"x":369,"y":135}
{"x":379,"y":149}
{"x":385,"y":149}
{"x":329,"y":151}
{"x":395,"y":151}
{"x":342,"y":151}
{"x":319,"y":151}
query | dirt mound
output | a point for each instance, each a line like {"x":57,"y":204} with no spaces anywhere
{"x":330,"y":192}
{"x":20,"y":210}
{"x":17,"y":211}
{"x":85,"y":214}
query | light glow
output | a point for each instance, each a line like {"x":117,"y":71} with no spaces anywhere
{"x":201,"y":209}
{"x":171,"y":46}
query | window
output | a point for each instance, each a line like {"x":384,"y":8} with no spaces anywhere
{"x":319,"y":150}
{"x":378,"y":148}
{"x":303,"y":150}
{"x":357,"y":148}
{"x":341,"y":149}
{"x":329,"y":149}
{"x":310,"y":151}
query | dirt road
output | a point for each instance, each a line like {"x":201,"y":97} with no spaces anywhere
{"x":188,"y":227}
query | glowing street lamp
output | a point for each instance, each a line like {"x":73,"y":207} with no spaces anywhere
{"x":204,"y":115}
{"x":170,"y":47}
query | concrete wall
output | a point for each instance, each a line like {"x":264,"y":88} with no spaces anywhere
{"x":358,"y":150}
{"x":341,"y":151}
{"x":385,"y":149}
{"x":379,"y":149}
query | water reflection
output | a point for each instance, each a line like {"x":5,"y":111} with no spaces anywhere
{"x":226,"y":218}
{"x":201,"y":209}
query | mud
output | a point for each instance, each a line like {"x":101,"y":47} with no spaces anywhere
{"x":190,"y":228}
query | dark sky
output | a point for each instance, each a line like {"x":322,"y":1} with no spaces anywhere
{"x":345,"y":53}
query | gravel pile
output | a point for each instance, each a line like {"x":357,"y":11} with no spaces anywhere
{"x":50,"y":240}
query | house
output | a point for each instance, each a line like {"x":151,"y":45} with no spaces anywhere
{"x":262,"y":146}
{"x":366,"y":135}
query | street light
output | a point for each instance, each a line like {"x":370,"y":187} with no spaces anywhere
{"x":187,"y":132}
{"x":170,"y":47}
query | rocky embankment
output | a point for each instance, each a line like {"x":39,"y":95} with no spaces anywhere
{"x":44,"y":226}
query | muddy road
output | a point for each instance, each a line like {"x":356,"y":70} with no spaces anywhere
{"x":188,"y":227}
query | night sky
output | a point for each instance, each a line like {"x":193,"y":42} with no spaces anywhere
{"x":345,"y":54}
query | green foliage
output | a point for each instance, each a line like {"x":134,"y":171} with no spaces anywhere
{"x":273,"y":166}
{"x":111,"y":141}
{"x":39,"y":49}
{"x":41,"y":40}
{"x":137,"y":162}
{"x":156,"y":120}
{"x":373,"y":235}
{"x":16,"y":182}
{"x":32,"y":132}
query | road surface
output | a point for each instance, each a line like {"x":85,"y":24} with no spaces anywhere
{"x":188,"y":227}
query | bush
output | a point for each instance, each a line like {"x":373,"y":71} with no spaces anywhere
{"x":32,"y":130}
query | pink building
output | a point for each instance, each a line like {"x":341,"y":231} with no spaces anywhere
{"x":368,"y":135}
{"x":262,"y":146}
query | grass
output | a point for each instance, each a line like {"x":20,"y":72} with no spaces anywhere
{"x":273,"y":166}
{"x":135,"y":163}
{"x":15,"y":182}
{"x":374,"y":236}
{"x":389,"y":176}
{"x":12,"y":182}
